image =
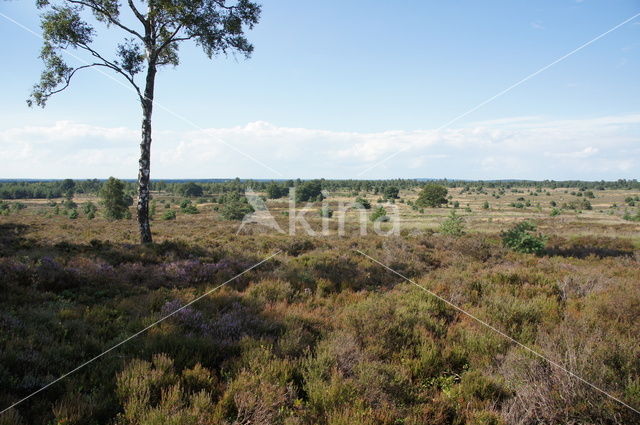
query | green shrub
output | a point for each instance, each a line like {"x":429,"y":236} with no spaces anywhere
{"x":326,"y":212}
{"x":629,"y":217}
{"x":73,"y":214}
{"x":152,"y":209}
{"x":555,"y":212}
{"x":521,"y":238}
{"x":20,"y":206}
{"x":236,"y":210}
{"x":379,"y":214}
{"x":169,"y":215}
{"x":190,"y":209}
{"x":453,"y":225}
{"x":89,"y":209}
{"x":362,"y":203}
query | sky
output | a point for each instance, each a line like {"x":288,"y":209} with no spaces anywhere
{"x":366,"y":89}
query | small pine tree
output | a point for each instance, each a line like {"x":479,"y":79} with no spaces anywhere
{"x":453,"y":225}
{"x":169,"y":215}
{"x":362,"y":203}
{"x":115,"y":201}
{"x":521,"y":238}
{"x":379,"y":214}
{"x":89,"y":209}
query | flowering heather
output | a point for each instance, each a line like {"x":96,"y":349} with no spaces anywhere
{"x":191,"y":319}
{"x":319,"y":334}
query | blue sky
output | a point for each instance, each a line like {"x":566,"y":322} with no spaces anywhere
{"x":335,"y":87}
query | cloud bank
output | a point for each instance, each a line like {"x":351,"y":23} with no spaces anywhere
{"x":515,"y":147}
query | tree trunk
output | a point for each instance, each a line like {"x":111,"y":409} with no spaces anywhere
{"x":144,"y":169}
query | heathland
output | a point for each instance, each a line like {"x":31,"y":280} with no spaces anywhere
{"x":321,"y":332}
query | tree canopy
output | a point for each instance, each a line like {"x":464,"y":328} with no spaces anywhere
{"x":151,"y":42}
{"x":432,"y":195}
{"x":217,"y":26}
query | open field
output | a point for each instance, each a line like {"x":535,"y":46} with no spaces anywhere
{"x":604,"y":219}
{"x":321,"y":334}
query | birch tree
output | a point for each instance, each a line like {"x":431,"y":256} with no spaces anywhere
{"x":152,"y":31}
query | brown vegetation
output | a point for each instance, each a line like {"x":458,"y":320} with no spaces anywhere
{"x":319,"y":334}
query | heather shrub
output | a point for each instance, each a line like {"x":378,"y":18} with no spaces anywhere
{"x":262,"y":390}
{"x":319,"y":334}
{"x":74,"y":409}
{"x":153,"y":393}
{"x":271,"y":291}
{"x":335,"y":267}
{"x":11,"y":417}
{"x":296,"y":246}
{"x":52,"y":276}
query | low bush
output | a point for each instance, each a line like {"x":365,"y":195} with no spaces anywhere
{"x":326,"y":212}
{"x":379,"y":214}
{"x":362,"y":203}
{"x":521,"y":238}
{"x":453,"y":225}
{"x":169,"y":215}
{"x":235,"y":210}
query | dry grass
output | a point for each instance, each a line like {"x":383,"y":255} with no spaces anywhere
{"x":320,"y":334}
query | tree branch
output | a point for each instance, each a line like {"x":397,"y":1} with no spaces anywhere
{"x":114,"y":67}
{"x":139,"y":15}
{"x":171,"y":39}
{"x":68,"y":79}
{"x":107,"y":15}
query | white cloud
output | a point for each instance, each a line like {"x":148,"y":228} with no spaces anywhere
{"x":605,"y":147}
{"x":584,"y":153}
{"x":537,"y":25}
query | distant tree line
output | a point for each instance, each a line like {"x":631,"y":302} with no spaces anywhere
{"x":307,"y":189}
{"x":47,"y":189}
